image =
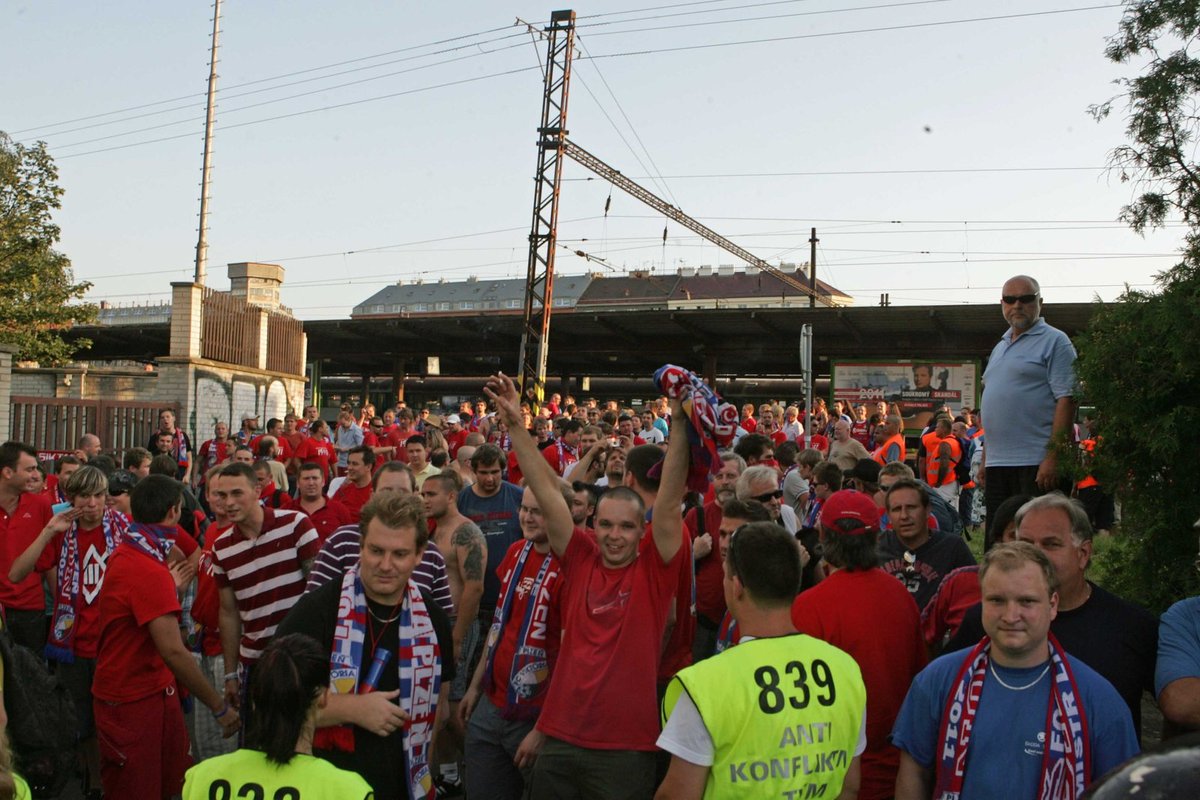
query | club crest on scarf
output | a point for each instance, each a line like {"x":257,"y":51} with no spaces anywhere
{"x":712,"y":420}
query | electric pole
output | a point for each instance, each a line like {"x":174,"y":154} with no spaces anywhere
{"x":202,"y":241}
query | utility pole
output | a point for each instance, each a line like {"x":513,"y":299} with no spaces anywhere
{"x":552,"y":140}
{"x":202,"y":241}
{"x":812,"y":268}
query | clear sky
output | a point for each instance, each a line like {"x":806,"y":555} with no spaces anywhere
{"x":939,"y":147}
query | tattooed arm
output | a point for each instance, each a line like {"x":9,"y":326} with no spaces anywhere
{"x":471,"y":549}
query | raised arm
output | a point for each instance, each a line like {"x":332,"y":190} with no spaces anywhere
{"x":668,"y":516}
{"x":540,"y":477}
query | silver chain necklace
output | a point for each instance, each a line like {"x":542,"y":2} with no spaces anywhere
{"x":1029,"y":685}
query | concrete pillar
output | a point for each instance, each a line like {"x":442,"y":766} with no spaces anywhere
{"x":710,"y":369}
{"x":7,"y":351}
{"x":187,"y":301}
{"x":398,"y":378}
{"x":264,"y":338}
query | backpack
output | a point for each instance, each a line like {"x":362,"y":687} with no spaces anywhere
{"x":962,"y":470}
{"x":42,"y":722}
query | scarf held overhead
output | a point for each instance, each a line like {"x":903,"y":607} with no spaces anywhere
{"x":712,"y":421}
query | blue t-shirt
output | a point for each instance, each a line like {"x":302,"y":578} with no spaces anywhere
{"x":1023,"y":381}
{"x":1178,"y":644}
{"x":497,"y":516}
{"x":348,"y":438}
{"x":1005,"y":756}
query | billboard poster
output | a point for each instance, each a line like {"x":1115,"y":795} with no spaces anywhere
{"x":913,"y":388}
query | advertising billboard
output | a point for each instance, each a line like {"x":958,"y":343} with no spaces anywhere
{"x":914,"y":388}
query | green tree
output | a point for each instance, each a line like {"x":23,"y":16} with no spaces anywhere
{"x":1140,"y":359}
{"x":38,"y":294}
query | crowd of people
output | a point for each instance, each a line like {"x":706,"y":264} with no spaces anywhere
{"x":563,"y":602}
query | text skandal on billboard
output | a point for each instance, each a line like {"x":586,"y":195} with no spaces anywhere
{"x":914,"y":388}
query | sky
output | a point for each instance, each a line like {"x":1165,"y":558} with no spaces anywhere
{"x":938,"y":146}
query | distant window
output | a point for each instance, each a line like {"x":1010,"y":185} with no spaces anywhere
{"x":443,"y":306}
{"x":490,"y":304}
{"x":466,"y":306}
{"x":420,"y":307}
{"x":513,"y":304}
{"x":561,"y":301}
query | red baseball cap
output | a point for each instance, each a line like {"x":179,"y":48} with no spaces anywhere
{"x":849,"y":504}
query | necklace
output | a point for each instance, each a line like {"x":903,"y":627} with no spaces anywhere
{"x":1029,"y":685}
{"x":387,"y":621}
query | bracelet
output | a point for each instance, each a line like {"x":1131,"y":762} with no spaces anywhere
{"x":224,"y":710}
{"x":230,"y":676}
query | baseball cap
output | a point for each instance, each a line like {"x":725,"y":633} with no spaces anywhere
{"x":249,"y":415}
{"x":453,"y":419}
{"x":867,"y":469}
{"x":849,"y":504}
{"x":121,"y":481}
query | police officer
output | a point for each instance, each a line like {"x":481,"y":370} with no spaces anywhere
{"x":779,"y":715}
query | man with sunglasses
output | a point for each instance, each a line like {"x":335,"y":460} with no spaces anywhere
{"x":761,"y":483}
{"x":1028,"y":399}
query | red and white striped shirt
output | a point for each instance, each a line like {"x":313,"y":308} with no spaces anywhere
{"x":265,"y":573}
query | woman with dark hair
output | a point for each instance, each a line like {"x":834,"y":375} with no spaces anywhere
{"x":287,"y":689}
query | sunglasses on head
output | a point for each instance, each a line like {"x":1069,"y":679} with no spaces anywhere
{"x":1013,"y":299}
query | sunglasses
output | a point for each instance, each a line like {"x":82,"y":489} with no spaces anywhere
{"x":1013,"y":299}
{"x":764,"y":498}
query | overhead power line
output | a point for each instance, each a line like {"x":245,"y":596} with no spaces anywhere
{"x":262,"y":80}
{"x":854,"y":32}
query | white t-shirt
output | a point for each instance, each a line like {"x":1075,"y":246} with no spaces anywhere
{"x":652,"y":436}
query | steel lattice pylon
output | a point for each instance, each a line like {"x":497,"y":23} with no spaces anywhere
{"x":552,"y":137}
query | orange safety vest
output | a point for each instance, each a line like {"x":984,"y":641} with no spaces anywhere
{"x":933,"y":443}
{"x":880,"y":455}
{"x":1088,"y":446}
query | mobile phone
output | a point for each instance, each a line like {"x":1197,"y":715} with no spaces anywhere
{"x":58,"y":508}
{"x":615,"y":442}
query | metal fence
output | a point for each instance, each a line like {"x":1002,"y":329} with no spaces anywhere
{"x":55,"y":425}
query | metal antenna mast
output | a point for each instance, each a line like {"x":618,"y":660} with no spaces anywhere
{"x":202,"y":241}
{"x":539,"y":287}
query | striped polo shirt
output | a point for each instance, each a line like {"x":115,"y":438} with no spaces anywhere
{"x":265,"y":573}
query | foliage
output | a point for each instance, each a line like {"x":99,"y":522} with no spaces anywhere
{"x":1138,"y":360}
{"x":36,"y":283}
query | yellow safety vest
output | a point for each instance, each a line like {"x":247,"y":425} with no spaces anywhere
{"x":784,"y":714}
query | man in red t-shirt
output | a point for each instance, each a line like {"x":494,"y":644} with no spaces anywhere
{"x":355,"y":491}
{"x":24,"y":511}
{"x":886,"y":641}
{"x":600,"y":716}
{"x":317,"y":448}
{"x":563,"y":453}
{"x":399,"y":434}
{"x":456,"y":434}
{"x":140,"y":656}
{"x":327,"y":514}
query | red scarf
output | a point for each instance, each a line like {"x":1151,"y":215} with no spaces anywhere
{"x":1067,"y":756}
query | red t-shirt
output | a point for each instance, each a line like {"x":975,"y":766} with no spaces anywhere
{"x":604,"y":694}
{"x":206,"y":607}
{"x":677,"y":653}
{"x":353,"y":498}
{"x":749,"y":424}
{"x":862,"y":613}
{"x":454,"y":441}
{"x":93,"y":561}
{"x":137,"y":590}
{"x":318,"y":452}
{"x":371,"y":440}
{"x":396,"y":438}
{"x":957,"y":592}
{"x":545,"y":627}
{"x":212,"y":453}
{"x":265,"y":573}
{"x":17,"y":532}
{"x":559,"y":457}
{"x":710,"y":574}
{"x":328,"y":518}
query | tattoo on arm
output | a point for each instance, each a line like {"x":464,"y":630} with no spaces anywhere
{"x":471,"y":539}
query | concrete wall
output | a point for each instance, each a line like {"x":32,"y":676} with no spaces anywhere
{"x":209,"y":392}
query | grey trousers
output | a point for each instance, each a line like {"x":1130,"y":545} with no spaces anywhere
{"x":566,"y":772}
{"x":491,"y":743}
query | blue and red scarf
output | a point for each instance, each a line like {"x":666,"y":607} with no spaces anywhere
{"x":61,"y":644}
{"x":712,"y":421}
{"x":420,"y":664}
{"x":1066,"y":758}
{"x":529,"y":673}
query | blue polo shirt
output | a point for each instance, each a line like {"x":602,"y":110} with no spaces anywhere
{"x":1023,"y":381}
{"x":1178,"y":644}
